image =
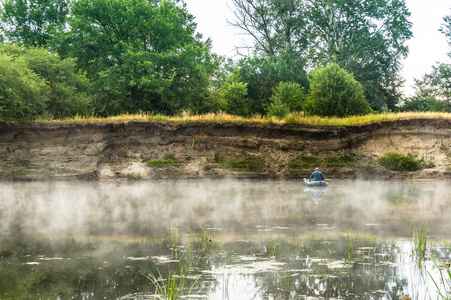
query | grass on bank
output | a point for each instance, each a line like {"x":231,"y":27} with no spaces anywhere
{"x":221,"y":117}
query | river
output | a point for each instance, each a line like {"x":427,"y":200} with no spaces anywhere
{"x":224,"y":239}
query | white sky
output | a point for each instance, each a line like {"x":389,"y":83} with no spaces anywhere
{"x":427,"y":47}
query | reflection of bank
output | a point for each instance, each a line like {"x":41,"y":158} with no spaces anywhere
{"x":316,"y":192}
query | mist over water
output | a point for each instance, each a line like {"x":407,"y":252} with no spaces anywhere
{"x":261,"y":230}
{"x":148,"y":208}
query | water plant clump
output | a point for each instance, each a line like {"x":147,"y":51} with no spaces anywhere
{"x":443,"y":284}
{"x":420,"y":243}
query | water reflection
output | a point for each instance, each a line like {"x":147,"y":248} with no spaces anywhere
{"x":316,"y":192}
{"x":81,"y":240}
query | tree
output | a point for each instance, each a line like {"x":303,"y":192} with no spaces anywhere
{"x":142,"y":55}
{"x":433,"y":91}
{"x":367,"y":38}
{"x":445,"y":28}
{"x":291,"y":94}
{"x":23,"y":93}
{"x":276,"y":26}
{"x":66,"y":92}
{"x":335,"y":92}
{"x":277,"y":108}
{"x":262,"y":74}
{"x":234,"y":95}
{"x":32,"y":23}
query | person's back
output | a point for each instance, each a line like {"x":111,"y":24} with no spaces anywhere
{"x":317,"y":176}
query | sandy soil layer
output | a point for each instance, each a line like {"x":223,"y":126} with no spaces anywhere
{"x":151,"y":150}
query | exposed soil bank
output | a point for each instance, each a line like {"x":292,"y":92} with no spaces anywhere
{"x":145,"y":150}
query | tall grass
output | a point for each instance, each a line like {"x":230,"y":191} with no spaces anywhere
{"x":221,"y":117}
{"x":443,"y":286}
{"x":419,"y":242}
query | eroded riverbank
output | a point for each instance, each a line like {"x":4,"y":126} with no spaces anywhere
{"x":153,"y":150}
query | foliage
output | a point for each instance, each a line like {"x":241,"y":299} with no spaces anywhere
{"x":400,"y":162}
{"x":367,"y":38}
{"x":432,"y":92}
{"x":262,"y":74}
{"x":445,"y":28}
{"x":142,"y":55}
{"x":276,"y":26}
{"x":289,"y":93}
{"x":32,"y":23}
{"x":443,"y":285}
{"x":277,"y":108}
{"x":66,"y":92}
{"x":23,"y":93}
{"x":234,"y":96}
{"x":420,"y":242}
{"x":335,"y":92}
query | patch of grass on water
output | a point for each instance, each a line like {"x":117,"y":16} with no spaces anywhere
{"x":443,"y":284}
{"x":420,"y":235}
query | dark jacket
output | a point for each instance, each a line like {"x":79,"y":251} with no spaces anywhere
{"x":317,"y":176}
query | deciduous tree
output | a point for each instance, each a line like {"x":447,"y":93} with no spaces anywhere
{"x":335,"y":92}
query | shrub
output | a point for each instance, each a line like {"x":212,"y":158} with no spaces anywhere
{"x":400,"y":162}
{"x":277,"y":108}
{"x":335,"y":92}
{"x":234,"y":95}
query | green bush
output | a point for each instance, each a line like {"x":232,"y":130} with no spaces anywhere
{"x":277,"y":108}
{"x":234,"y":95}
{"x":400,"y":162}
{"x":335,"y":92}
{"x":23,"y":93}
{"x":35,"y":82}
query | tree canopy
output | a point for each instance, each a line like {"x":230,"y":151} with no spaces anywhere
{"x":142,"y":55}
{"x":367,"y":38}
{"x":335,"y":92}
{"x":34,"y":82}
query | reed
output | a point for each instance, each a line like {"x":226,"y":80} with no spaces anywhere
{"x":419,"y":242}
{"x":443,"y":286}
{"x":221,"y":117}
{"x":349,"y":247}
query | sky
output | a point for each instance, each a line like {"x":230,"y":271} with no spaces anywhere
{"x":427,"y":47}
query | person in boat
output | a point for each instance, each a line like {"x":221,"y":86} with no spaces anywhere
{"x":317,"y":176}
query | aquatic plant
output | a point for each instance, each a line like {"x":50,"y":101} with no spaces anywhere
{"x":349,"y":247}
{"x":272,"y":247}
{"x":444,"y":288}
{"x":174,"y":240}
{"x":205,"y":239}
{"x":178,"y":283}
{"x":284,"y":282}
{"x":419,"y":242}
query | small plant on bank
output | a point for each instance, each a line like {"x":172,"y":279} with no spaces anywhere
{"x":400,"y":162}
{"x":17,"y":172}
{"x":169,"y":160}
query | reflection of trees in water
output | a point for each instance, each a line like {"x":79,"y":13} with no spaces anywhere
{"x":110,"y":269}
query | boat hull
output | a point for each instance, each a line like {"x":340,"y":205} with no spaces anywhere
{"x":315,"y":183}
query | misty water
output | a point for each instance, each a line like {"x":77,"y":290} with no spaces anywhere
{"x":227,"y":239}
